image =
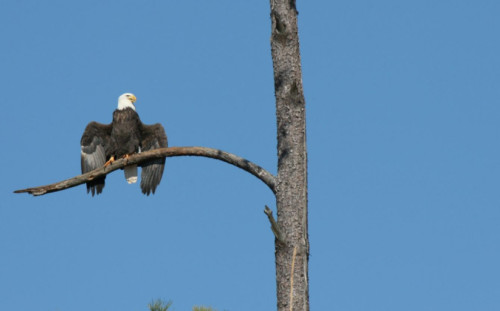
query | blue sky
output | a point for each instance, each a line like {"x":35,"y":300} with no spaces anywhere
{"x":403,"y":130}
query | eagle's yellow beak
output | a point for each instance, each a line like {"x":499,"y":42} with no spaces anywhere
{"x":132,"y":98}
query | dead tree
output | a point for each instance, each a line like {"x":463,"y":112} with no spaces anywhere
{"x":292,"y":255}
{"x":289,"y":186}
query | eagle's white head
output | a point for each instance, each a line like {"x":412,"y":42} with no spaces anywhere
{"x":126,"y":100}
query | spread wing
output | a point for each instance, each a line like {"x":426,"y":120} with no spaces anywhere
{"x":95,"y":142}
{"x":153,"y":137}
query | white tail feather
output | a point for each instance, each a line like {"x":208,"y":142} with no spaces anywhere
{"x":131,"y":174}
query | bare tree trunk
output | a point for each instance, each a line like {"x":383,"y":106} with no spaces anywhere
{"x":292,"y":254}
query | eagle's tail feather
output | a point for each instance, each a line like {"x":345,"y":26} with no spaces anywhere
{"x":131,"y":173}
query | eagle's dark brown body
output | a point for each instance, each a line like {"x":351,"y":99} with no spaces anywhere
{"x":124,"y":136}
{"x":125,"y":132}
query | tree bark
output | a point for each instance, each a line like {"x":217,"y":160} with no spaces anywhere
{"x":292,"y":255}
{"x":139,"y":158}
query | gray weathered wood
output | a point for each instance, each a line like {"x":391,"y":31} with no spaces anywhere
{"x":292,"y":256}
{"x":139,"y":158}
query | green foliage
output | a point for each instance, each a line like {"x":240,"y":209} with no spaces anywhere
{"x":159,"y":305}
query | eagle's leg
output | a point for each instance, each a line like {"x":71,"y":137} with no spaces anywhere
{"x":111,"y":160}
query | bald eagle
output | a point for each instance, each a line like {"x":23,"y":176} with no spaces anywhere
{"x":103,"y":143}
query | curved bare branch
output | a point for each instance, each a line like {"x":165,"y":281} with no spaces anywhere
{"x":139,"y":158}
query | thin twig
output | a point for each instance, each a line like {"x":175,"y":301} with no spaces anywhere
{"x":139,"y":158}
{"x":274,"y":225}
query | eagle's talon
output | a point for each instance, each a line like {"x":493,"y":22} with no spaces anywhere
{"x":110,"y":161}
{"x":126,"y":158}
